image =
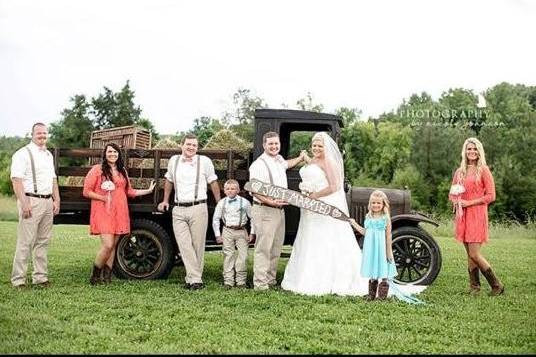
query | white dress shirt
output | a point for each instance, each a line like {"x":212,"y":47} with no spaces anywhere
{"x":184,"y":183}
{"x":233,"y":216}
{"x":278,"y":167}
{"x":21,"y":167}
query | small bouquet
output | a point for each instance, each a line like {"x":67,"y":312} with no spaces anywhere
{"x":108,"y":186}
{"x":457,"y":190}
{"x":305,"y":188}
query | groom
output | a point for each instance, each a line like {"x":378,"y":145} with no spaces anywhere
{"x":268,"y":214}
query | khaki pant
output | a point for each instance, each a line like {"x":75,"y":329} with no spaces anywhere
{"x":270,"y":230}
{"x":235,"y":241}
{"x":33,"y":235}
{"x":190,"y":229}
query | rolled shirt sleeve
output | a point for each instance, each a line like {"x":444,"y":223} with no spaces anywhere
{"x":210,"y":173}
{"x":170,"y":168}
{"x":18,"y":165}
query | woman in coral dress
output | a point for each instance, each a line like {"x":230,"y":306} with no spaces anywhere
{"x":471,"y":192}
{"x":108,"y":187}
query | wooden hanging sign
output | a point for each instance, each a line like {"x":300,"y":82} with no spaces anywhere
{"x":294,"y":198}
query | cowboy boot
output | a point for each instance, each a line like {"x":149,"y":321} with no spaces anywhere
{"x":372,"y":287}
{"x":497,"y":288}
{"x":383,"y":290}
{"x":107,"y":274}
{"x":96,"y":275}
{"x":474,"y":281}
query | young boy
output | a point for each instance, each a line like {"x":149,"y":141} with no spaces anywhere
{"x":234,"y":211}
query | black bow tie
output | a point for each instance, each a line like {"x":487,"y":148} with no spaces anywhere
{"x":232,"y":199}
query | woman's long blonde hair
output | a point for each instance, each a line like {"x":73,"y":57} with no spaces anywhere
{"x":381,"y":195}
{"x":479,"y":164}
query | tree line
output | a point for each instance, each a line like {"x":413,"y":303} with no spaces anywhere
{"x":417,"y":146}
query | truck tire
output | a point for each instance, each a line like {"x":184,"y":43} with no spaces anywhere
{"x":417,"y":256}
{"x":146,"y":253}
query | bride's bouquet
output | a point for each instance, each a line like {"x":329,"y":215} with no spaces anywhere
{"x":108,"y":186}
{"x":457,"y":190}
{"x":306,"y":188}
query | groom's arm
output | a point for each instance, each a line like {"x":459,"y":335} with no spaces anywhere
{"x":293,"y":162}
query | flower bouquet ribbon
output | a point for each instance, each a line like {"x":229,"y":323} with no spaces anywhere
{"x":457,"y":190}
{"x":108,"y":186}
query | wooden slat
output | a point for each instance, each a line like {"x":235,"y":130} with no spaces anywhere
{"x":73,"y":171}
{"x":80,"y":152}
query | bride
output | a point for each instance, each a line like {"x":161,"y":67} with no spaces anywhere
{"x":325,"y":258}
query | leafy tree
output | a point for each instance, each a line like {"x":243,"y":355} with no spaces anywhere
{"x":73,"y":130}
{"x":392,"y":150}
{"x":6,"y":188}
{"x":116,"y":109}
{"x":205,"y":128}
{"x":240,"y":119}
{"x":308,"y":104}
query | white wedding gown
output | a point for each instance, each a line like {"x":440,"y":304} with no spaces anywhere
{"x":326,"y":258}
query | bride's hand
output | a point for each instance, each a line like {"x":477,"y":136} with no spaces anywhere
{"x":304,"y":156}
{"x":314,"y":195}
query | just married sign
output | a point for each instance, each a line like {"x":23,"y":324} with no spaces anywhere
{"x":294,"y":198}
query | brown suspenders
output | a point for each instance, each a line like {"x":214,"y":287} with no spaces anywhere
{"x":196,"y":177}
{"x":33,"y":169}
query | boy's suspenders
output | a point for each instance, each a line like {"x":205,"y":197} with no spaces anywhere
{"x":196,"y":177}
{"x":240,"y":210}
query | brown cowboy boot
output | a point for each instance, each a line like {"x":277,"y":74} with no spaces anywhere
{"x":372,"y":287}
{"x":474,"y":281}
{"x":383,"y":290}
{"x":497,"y":288}
{"x":107,"y":274}
{"x":96,"y":275}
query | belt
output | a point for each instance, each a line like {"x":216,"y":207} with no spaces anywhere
{"x":188,"y":204}
{"x":264,"y":204}
{"x":36,"y":195}
{"x":236,"y":228}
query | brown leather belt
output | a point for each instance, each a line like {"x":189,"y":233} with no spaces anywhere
{"x":36,"y":195}
{"x":236,"y":228}
{"x":189,"y":204}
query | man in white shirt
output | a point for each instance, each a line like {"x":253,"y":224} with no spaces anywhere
{"x":189,"y":174}
{"x":268,"y":213}
{"x":38,"y":200}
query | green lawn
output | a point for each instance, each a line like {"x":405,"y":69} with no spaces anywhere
{"x":162,"y":317}
{"x":8,"y":208}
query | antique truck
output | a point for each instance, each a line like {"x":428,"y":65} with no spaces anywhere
{"x":150,"y":251}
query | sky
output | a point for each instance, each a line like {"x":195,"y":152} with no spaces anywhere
{"x":185,"y":59}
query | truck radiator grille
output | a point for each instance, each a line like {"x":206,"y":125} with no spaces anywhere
{"x":359,"y":213}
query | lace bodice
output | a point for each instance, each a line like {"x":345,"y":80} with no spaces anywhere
{"x":314,"y":177}
{"x":375,"y":223}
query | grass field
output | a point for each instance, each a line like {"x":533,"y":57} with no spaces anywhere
{"x":8,"y":208}
{"x":162,"y":317}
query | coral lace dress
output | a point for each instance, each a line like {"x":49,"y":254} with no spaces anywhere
{"x":472,"y":226}
{"x":114,"y":219}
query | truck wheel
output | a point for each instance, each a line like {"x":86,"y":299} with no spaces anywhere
{"x":417,"y":256}
{"x":146,"y":253}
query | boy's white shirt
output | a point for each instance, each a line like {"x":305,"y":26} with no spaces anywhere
{"x":232,"y":214}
